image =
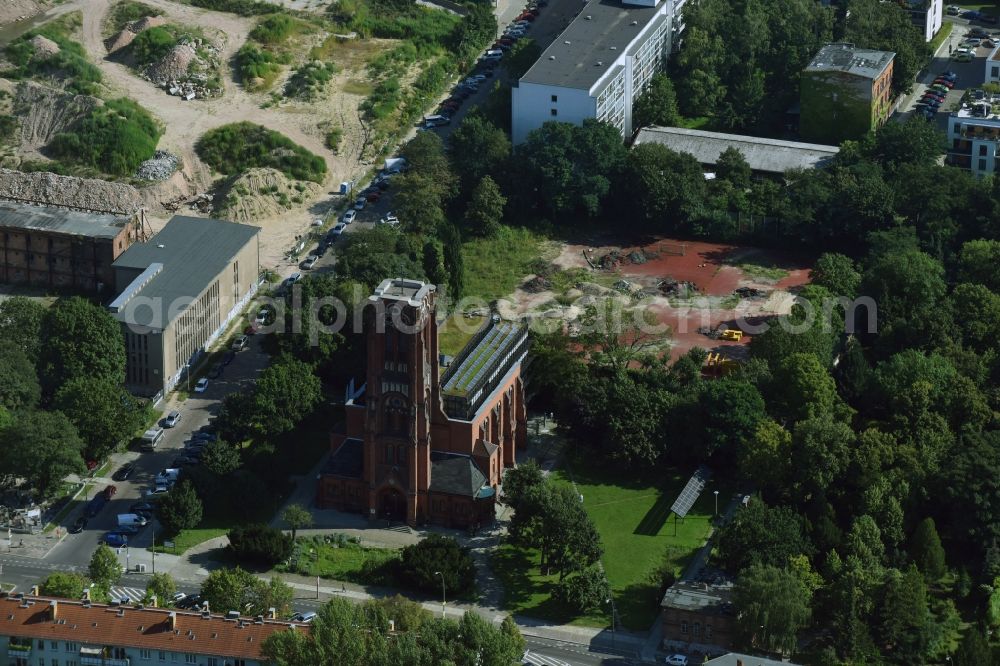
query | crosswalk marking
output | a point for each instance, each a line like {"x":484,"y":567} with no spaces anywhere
{"x":542,"y":660}
{"x":134,"y":594}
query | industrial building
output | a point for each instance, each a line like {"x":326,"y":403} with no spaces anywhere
{"x":425,"y":443}
{"x":178,"y":292}
{"x":597,"y":67}
{"x":845,"y":92}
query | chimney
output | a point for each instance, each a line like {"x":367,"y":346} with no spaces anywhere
{"x":172,"y":620}
{"x":54,"y":609}
{"x":272,"y":613}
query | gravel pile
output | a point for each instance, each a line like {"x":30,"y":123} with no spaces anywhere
{"x":119,"y":41}
{"x":81,"y":193}
{"x":146,"y":23}
{"x":44,"y":47}
{"x":160,"y":166}
{"x":172,"y":66}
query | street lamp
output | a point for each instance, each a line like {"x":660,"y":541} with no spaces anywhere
{"x":443,"y":601}
{"x":716,"y":503}
{"x":611,"y":600}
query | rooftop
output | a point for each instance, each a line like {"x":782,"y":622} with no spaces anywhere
{"x":476,"y":358}
{"x":96,"y":624}
{"x":191,"y":251}
{"x":61,"y":220}
{"x":735,"y":659}
{"x":715,"y":597}
{"x":401,"y":289}
{"x":457,"y":474}
{"x":590,"y":45}
{"x":765,"y":155}
{"x":851,"y":60}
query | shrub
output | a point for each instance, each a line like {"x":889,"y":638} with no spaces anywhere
{"x":70,"y":65}
{"x":309,"y":79}
{"x":8,"y":125}
{"x":234,"y":148}
{"x":333,"y":138}
{"x":276,"y":28}
{"x":152,"y":44}
{"x":115,"y":138}
{"x":240,"y":7}
{"x":419,"y":564}
{"x":128,"y":11}
{"x":256,"y":63}
{"x":259,"y":544}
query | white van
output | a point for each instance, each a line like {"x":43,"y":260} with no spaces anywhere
{"x":435,"y":121}
{"x":151,"y":438}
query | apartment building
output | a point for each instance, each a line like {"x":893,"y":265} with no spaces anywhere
{"x":845,"y":92}
{"x":597,"y":67}
{"x":37,"y":631}
{"x":699,"y":616}
{"x":62,"y":248}
{"x":178,"y":292}
{"x":974,"y":137}
{"x":927,"y":16}
{"x":424,"y":443}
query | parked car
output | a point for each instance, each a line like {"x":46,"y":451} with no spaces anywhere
{"x":216,"y":371}
{"x":373,"y":196}
{"x":156,"y":490}
{"x":304,"y":617}
{"x":349,"y":216}
{"x":947,"y":83}
{"x":142,"y":506}
{"x":115,"y":539}
{"x":676,"y":660}
{"x":79,"y":525}
{"x":123,"y":472}
{"x":339,"y":229}
{"x":293,"y":278}
{"x":181,"y":461}
{"x":173,"y":418}
{"x":201,"y":385}
{"x":359,"y":203}
{"x":954,"y":10}
{"x":188,"y":602}
{"x":390,"y":219}
{"x":989,"y":18}
{"x":949,"y":75}
{"x":310,"y":262}
{"x":130,"y":530}
{"x":109,"y":492}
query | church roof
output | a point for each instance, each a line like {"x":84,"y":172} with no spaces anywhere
{"x":484,"y":448}
{"x":455,"y":474}
{"x":348,"y":460}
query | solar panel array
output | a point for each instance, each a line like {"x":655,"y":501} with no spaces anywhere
{"x":691,"y":491}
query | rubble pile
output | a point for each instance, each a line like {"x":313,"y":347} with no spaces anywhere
{"x":160,"y":166}
{"x":43,"y":47}
{"x":749,"y":292}
{"x":82,"y":193}
{"x":537,"y":285}
{"x":182,"y":71}
{"x":174,"y":65}
{"x":668,"y":286}
{"x":616,"y":258}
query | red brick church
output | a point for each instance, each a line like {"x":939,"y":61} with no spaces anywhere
{"x":420,"y":447}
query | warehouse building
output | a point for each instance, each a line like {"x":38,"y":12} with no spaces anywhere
{"x":178,"y":292}
{"x":596,"y":68}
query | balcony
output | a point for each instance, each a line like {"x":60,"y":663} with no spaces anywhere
{"x":95,"y":656}
{"x":18,"y":650}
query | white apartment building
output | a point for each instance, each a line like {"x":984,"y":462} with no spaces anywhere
{"x":992,"y":73}
{"x":597,"y":67}
{"x":927,"y":16}
{"x":974,"y":138}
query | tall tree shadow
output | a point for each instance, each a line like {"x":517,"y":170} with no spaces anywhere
{"x":655,"y":518}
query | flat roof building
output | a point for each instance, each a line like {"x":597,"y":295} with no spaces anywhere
{"x":177,"y":293}
{"x":699,"y":616}
{"x":36,"y":630}
{"x":927,"y":16}
{"x":596,"y":68}
{"x":765,"y":156}
{"x":974,"y":136}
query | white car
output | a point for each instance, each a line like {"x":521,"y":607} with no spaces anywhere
{"x":339,"y":229}
{"x":390,"y":219}
{"x":293,"y":278}
{"x":676,"y":660}
{"x":201,"y":385}
{"x":310,"y":261}
{"x":173,"y":418}
{"x":158,"y":490}
{"x":349,"y":216}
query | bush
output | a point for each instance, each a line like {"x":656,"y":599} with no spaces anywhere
{"x":70,"y":65}
{"x":128,"y":11}
{"x":115,"y":138}
{"x":152,"y":44}
{"x":240,"y":7}
{"x":8,"y":125}
{"x":259,"y":544}
{"x":256,"y":63}
{"x":419,"y":564}
{"x":276,"y":28}
{"x":333,"y":138}
{"x":309,"y":79}
{"x":234,"y":148}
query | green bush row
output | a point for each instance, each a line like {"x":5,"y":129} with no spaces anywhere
{"x":234,"y":148}
{"x":114,"y":138}
{"x":240,"y":7}
{"x":69,"y":65}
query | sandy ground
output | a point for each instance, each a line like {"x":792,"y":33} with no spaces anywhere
{"x":14,"y":10}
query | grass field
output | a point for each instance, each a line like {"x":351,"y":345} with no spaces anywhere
{"x":345,"y":561}
{"x":190,"y":538}
{"x":639,"y":537}
{"x":494,"y":267}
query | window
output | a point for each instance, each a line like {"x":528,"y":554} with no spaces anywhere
{"x":982,"y":151}
{"x":55,"y":662}
{"x":708,"y":631}
{"x":212,"y":661}
{"x":684,"y":627}
{"x":555,"y":98}
{"x":41,"y":645}
{"x":190,"y":658}
{"x":982,"y":165}
{"x":71,"y":647}
{"x":144,"y":653}
{"x":696,"y":629}
{"x":173,"y":656}
{"x":163,"y":655}
{"x":54,"y":645}
{"x":995,"y":73}
{"x":553,"y":112}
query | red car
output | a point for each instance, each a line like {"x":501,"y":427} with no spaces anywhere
{"x":373,"y":197}
{"x":945,"y":82}
{"x":110,"y":491}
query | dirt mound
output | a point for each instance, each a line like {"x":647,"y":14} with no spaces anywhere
{"x":43,"y":47}
{"x":145,"y":24}
{"x":117,"y":42}
{"x":537,"y":285}
{"x":55,"y":190}
{"x":172,"y":66}
{"x":261,"y":193}
{"x":44,"y":112}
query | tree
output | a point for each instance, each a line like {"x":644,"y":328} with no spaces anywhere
{"x":180,"y":509}
{"x":764,"y":457}
{"x":103,"y":412}
{"x":977,"y":263}
{"x":802,"y":388}
{"x":887,"y":27}
{"x":969,"y":491}
{"x":80,"y":339}
{"x":657,"y":105}
{"x":425,"y":155}
{"x":104,"y":568}
{"x":19,"y":388}
{"x":974,"y":650}
{"x":21,"y":323}
{"x":163,"y":587}
{"x":221,"y":458}
{"x":63,"y":584}
{"x":732,"y":166}
{"x":586,"y":590}
{"x":42,"y":448}
{"x":521,"y":57}
{"x":820,"y":450}
{"x":662,"y":188}
{"x":730,"y":411}
{"x":517,"y":481}
{"x":419,"y":203}
{"x":926,"y":550}
{"x":296,"y":517}
{"x":418,"y":566}
{"x":772,"y":606}
{"x":763,"y":535}
{"x":486,"y":643}
{"x":837,"y":273}
{"x":976,"y":311}
{"x":239,"y":590}
{"x":485,"y":209}
{"x":285,"y":393}
{"x":237,"y":418}
{"x":905,"y":622}
{"x":259,"y":544}
{"x":912,"y":142}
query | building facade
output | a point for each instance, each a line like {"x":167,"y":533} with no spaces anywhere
{"x":62,"y":248}
{"x":927,"y":16}
{"x":597,"y":67}
{"x":178,"y":292}
{"x":418,"y":446}
{"x":845,"y":92}
{"x":699,"y":617}
{"x":974,"y":139}
{"x":39,"y":631}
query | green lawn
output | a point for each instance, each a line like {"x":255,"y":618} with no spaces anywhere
{"x":639,"y":537}
{"x":340,"y":560}
{"x":942,"y":35}
{"x":190,"y":538}
{"x":456,"y":331}
{"x":494,"y":267}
